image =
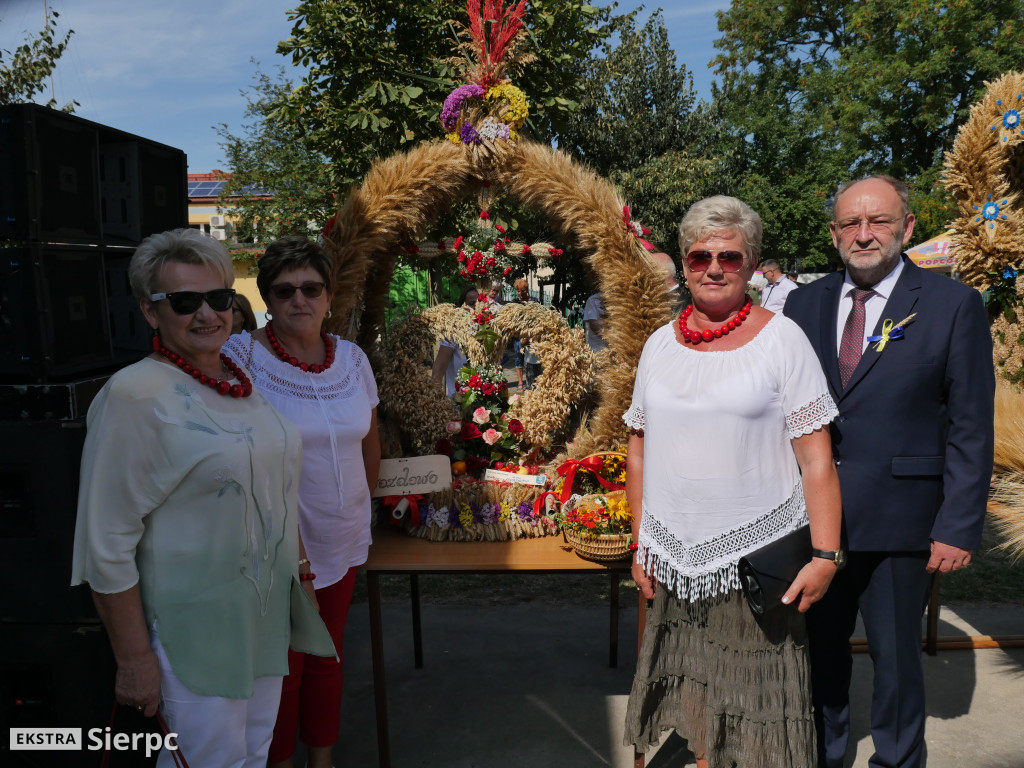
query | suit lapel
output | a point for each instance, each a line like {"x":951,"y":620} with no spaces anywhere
{"x":827,"y":324}
{"x":900,"y":305}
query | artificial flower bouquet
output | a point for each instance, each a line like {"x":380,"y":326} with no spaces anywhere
{"x":597,"y":526}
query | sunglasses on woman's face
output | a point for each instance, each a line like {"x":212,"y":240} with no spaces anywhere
{"x":729,"y":261}
{"x":284,"y":291}
{"x":188,"y":302}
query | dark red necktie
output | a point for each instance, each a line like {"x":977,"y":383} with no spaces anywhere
{"x":852,"y":345}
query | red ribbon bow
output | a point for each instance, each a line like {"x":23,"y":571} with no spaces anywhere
{"x":633,"y":226}
{"x":414,"y":500}
{"x":593,"y":464}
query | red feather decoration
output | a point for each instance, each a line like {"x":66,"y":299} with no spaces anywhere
{"x":493,"y":28}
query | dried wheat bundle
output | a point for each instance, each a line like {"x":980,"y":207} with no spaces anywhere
{"x":457,"y":324}
{"x":399,"y":198}
{"x":567,"y":368}
{"x":1006,"y":498}
{"x":1007,"y":349}
{"x":985,"y":175}
{"x":416,"y":405}
{"x":585,"y":206}
{"x":511,"y":506}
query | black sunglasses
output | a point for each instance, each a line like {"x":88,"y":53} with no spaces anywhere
{"x":187,"y":302}
{"x":729,"y":261}
{"x":284,"y":291}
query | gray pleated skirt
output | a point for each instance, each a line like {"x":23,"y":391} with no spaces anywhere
{"x":735,"y":686}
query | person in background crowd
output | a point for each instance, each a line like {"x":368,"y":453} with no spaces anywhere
{"x":676,"y":294}
{"x":187,"y":526}
{"x":773,"y":297}
{"x":593,"y":321}
{"x":913,"y":445}
{"x":325,"y":387}
{"x":523,"y":297}
{"x":242,"y":316}
{"x":494,"y":295}
{"x":792,"y":277}
{"x":450,"y":359}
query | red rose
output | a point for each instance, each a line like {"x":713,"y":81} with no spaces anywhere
{"x":457,"y":244}
{"x":464,"y":273}
{"x":441,"y":245}
{"x":474,"y":380}
{"x":462,"y":257}
{"x":507,"y":272}
{"x":443,"y":446}
{"x":476,"y":258}
{"x":469,"y":431}
{"x":500,"y":228}
{"x":487,"y":388}
{"x":503,"y":386}
{"x":475,"y":463}
{"x":491,"y":261}
{"x":485,"y":215}
{"x":526,"y":250}
{"x":515,"y":426}
{"x":499,"y":246}
{"x":481,"y":270}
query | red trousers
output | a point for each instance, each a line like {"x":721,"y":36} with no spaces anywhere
{"x":311,"y":693}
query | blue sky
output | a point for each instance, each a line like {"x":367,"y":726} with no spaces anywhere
{"x":170,"y":71}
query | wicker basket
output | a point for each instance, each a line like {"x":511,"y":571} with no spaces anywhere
{"x":604,"y":548}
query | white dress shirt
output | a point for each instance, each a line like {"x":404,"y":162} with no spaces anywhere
{"x":773,"y":298}
{"x":873,"y":306}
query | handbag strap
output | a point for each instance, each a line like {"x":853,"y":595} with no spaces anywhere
{"x":176,"y":754}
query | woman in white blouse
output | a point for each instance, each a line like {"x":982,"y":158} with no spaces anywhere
{"x":325,"y":387}
{"x":728,"y":450}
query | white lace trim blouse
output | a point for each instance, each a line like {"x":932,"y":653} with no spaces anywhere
{"x":332,"y":411}
{"x":720,"y":476}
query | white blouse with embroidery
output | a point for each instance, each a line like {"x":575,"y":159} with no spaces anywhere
{"x":720,"y":475}
{"x":332,"y":411}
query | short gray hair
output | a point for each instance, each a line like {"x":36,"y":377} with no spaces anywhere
{"x":721,"y":214}
{"x":185,"y":246}
{"x":892,"y":181}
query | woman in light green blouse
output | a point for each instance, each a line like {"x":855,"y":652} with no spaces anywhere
{"x":187,"y":530}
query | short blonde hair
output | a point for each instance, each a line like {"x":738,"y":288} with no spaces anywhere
{"x":185,"y":246}
{"x":721,"y":213}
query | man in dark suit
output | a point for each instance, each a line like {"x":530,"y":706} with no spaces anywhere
{"x":913,"y":448}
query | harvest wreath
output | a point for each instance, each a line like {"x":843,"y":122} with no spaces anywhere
{"x":402,"y":196}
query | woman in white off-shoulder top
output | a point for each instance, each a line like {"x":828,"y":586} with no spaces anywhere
{"x":729,"y":450}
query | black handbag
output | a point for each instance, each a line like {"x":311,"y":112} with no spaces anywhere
{"x":766,"y":573}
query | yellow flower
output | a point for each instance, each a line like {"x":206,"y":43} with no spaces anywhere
{"x":618,"y":509}
{"x":465,"y":515}
{"x":518,"y":107}
{"x":454,"y":137}
{"x":506,"y":511}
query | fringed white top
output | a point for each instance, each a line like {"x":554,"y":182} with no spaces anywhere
{"x":720,"y":476}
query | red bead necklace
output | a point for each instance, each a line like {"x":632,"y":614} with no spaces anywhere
{"x":696,"y":337}
{"x":220,"y":386}
{"x":291,"y":360}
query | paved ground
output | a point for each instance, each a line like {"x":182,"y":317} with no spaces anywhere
{"x":529,"y":685}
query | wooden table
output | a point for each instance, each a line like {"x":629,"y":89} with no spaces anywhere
{"x":394,"y":552}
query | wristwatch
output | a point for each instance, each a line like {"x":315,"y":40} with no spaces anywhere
{"x":837,"y":556}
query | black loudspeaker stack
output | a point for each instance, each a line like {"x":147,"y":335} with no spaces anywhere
{"x":76,"y":197}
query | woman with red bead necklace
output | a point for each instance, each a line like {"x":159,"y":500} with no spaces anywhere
{"x":188,"y":518}
{"x":728,"y":451}
{"x":324,"y":386}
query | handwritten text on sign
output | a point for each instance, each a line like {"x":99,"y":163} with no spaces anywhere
{"x":418,"y":474}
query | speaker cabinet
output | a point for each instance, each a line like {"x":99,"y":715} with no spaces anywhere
{"x":49,"y":176}
{"x":144,"y":188}
{"x":39,"y":469}
{"x":53,"y":312}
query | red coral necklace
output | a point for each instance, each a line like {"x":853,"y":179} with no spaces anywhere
{"x":279,"y":350}
{"x":696,"y":337}
{"x":220,"y":386}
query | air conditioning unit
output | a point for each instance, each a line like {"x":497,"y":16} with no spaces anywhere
{"x":217,"y":220}
{"x":218,"y":234}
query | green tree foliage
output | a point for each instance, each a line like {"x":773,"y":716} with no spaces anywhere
{"x":818,"y":92}
{"x":378,"y":72}
{"x":271,"y":156}
{"x":25,"y":70}
{"x":639,"y":104}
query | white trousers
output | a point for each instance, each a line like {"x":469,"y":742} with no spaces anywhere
{"x":214,"y":732}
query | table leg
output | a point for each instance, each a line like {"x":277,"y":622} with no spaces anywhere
{"x":380,"y":694}
{"x":613,"y":628}
{"x":417,"y":626}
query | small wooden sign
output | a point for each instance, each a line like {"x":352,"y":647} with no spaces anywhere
{"x":497,"y":476}
{"x":417,"y":474}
